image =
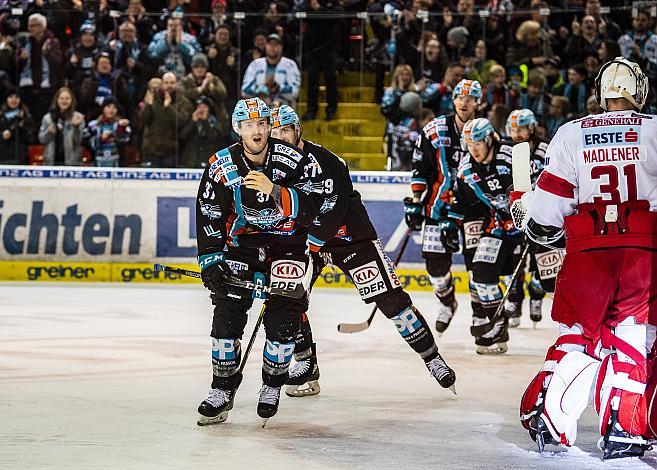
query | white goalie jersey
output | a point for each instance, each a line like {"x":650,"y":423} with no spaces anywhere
{"x":604,"y":158}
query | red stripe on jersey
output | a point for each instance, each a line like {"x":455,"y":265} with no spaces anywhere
{"x":418,"y":187}
{"x":287,"y":203}
{"x":314,"y":248}
{"x":556,"y":185}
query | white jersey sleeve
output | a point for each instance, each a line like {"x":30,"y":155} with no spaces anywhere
{"x":606,"y":158}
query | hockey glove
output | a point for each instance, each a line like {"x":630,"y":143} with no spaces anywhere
{"x":449,"y":235}
{"x":214,"y":270}
{"x":413,"y":214}
{"x":544,"y":236}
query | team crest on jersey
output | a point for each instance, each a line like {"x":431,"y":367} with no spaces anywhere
{"x":263,"y":218}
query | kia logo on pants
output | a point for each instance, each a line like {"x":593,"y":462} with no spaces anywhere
{"x":288,"y":270}
{"x":365,"y":274}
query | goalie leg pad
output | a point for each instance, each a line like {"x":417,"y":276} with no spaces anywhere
{"x":622,"y":382}
{"x":568,"y":394}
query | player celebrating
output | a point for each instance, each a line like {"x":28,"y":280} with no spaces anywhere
{"x":435,"y":162}
{"x":544,"y":264}
{"x":599,"y":192}
{"x":253,"y":201}
{"x":345,"y":237}
{"x":484,"y":176}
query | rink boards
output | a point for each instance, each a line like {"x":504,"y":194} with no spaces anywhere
{"x":110,"y":225}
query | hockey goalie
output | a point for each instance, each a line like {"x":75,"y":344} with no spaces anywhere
{"x":597,"y":198}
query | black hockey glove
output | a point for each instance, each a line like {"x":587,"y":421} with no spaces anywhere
{"x":449,"y":235}
{"x":544,"y":236}
{"x":214,"y":271}
{"x":413,"y":214}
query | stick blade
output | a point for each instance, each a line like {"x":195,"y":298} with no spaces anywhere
{"x":352,"y":327}
{"x":521,"y":167}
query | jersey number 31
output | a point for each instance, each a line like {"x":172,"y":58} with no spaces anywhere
{"x":611,"y":187}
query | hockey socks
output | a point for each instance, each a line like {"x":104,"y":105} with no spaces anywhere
{"x":412,"y":326}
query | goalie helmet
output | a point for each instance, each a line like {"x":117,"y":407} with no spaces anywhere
{"x":621,"y":78}
{"x":520,"y":118}
{"x":468,"y":88}
{"x":249,"y":108}
{"x":476,"y":130}
{"x":283,"y":116}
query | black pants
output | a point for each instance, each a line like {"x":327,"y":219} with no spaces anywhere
{"x":281,"y":319}
{"x":322,"y":60}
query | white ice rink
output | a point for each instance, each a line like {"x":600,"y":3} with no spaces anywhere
{"x":110,"y":377}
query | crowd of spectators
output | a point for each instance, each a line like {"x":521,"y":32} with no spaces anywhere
{"x":153,"y":82}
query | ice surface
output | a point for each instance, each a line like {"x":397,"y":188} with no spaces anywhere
{"x":110,"y":377}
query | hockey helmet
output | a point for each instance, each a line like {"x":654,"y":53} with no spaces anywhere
{"x":468,"y":88}
{"x":621,"y":78}
{"x":476,"y":130}
{"x":520,"y":118}
{"x":283,"y":116}
{"x":249,"y":108}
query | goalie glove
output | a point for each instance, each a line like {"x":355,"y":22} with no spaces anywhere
{"x":519,"y":203}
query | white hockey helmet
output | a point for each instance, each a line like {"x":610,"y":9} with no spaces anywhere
{"x":621,"y":78}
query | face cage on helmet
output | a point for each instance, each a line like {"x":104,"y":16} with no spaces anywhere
{"x":638,"y":97}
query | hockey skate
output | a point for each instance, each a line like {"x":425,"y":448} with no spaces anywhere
{"x":442,"y":373}
{"x":494,"y":342}
{"x":215,"y":408}
{"x":513,"y":311}
{"x":618,"y":444}
{"x":445,"y":315}
{"x":268,"y":402}
{"x":535,"y":310}
{"x":304,"y":378}
{"x":540,"y":434}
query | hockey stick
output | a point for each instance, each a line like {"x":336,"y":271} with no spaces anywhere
{"x":362,"y":326}
{"x":236,"y":282}
{"x":480,"y":330}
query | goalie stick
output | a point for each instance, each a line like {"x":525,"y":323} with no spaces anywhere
{"x":362,"y":326}
{"x":235,"y":281}
{"x":521,"y":172}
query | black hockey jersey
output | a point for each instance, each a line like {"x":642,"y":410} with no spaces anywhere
{"x":342,"y":217}
{"x":435,"y":163}
{"x":537,"y":159}
{"x":489,"y":185}
{"x":229,"y":213}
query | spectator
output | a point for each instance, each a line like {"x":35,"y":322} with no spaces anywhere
{"x":144,"y":25}
{"x":640,"y":44}
{"x":584,"y":40}
{"x":534,"y":98}
{"x":458,"y":43}
{"x":101,"y":85}
{"x":273,"y":78}
{"x":39,"y":62}
{"x":438,"y":96}
{"x":80,"y":64}
{"x":201,"y":136}
{"x":223,"y":59}
{"x":322,"y":40}
{"x":164,"y":114}
{"x":258,"y":49}
{"x":435,"y":64}
{"x":575,"y":90}
{"x":530,"y":47}
{"x":61,"y":131}
{"x":425,"y":117}
{"x":592,"y":106}
{"x":557,"y":112}
{"x":498,"y":115}
{"x":402,"y":134}
{"x":481,"y":65}
{"x":172,"y":50}
{"x":553,"y":77}
{"x":15,"y":130}
{"x":202,"y":83}
{"x":210,"y":26}
{"x":107,"y":134}
{"x":131,"y":63}
{"x":608,"y":50}
{"x":400,"y":83}
{"x":607,"y":27}
{"x":497,"y":91}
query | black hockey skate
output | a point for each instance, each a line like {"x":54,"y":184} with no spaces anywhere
{"x":618,"y":444}
{"x":513,"y":311}
{"x":268,"y":402}
{"x":442,"y":373}
{"x":215,"y":408}
{"x":304,"y":378}
{"x":494,"y":342}
{"x":445,"y":315}
{"x":535,"y":310}
{"x":540,"y":433}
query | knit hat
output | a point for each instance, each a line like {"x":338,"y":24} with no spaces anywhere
{"x":88,"y":28}
{"x":459,"y":36}
{"x":411,"y":103}
{"x":200,"y":60}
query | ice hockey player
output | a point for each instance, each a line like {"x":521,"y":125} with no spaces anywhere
{"x":598,"y":195}
{"x":344,"y":236}
{"x":435,"y":162}
{"x":484,"y":176}
{"x":253,"y":202}
{"x":545,"y":263}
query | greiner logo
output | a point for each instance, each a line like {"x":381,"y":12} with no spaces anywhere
{"x":35,"y":273}
{"x":365,"y":274}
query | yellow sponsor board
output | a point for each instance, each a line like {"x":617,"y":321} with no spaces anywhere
{"x":63,"y":271}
